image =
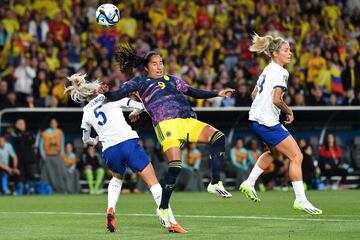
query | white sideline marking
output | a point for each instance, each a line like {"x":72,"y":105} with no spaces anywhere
{"x":196,"y":216}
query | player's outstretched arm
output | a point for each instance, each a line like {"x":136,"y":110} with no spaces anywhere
{"x":123,"y":91}
{"x":203,"y":94}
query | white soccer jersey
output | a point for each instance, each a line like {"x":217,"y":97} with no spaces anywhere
{"x":108,"y":120}
{"x":262,"y":109}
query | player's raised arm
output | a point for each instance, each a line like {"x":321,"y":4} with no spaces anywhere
{"x":137,"y":106}
{"x":123,"y":91}
{"x":201,"y":94}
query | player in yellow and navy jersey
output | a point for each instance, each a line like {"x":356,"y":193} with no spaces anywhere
{"x":173,"y":118}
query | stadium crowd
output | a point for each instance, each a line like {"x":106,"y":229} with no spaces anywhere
{"x":205,"y":42}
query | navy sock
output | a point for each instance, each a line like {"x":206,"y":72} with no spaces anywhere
{"x":217,"y":152}
{"x":174,"y":168}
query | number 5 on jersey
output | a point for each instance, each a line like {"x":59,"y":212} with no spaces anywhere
{"x":101,"y":115}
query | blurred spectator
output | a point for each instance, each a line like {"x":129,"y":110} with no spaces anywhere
{"x":38,"y":27}
{"x":351,"y":76}
{"x":23,"y":143}
{"x":190,"y":178}
{"x":10,"y":101}
{"x":3,"y":91}
{"x":7,"y":168}
{"x":92,"y":164}
{"x":73,"y":178}
{"x":308,"y":166}
{"x":331,"y":161}
{"x":51,"y":147}
{"x":24,"y":75}
{"x":4,"y":37}
{"x":130,"y":182}
{"x":350,"y":98}
{"x":239,"y":159}
{"x":316,"y":98}
{"x":244,"y":96}
{"x":127,"y":24}
{"x":59,"y":29}
{"x":315,"y":64}
{"x":253,"y":151}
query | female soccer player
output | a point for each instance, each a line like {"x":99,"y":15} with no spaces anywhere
{"x":172,"y":116}
{"x":119,"y":142}
{"x":264,"y":120}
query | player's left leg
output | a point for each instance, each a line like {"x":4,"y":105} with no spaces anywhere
{"x":216,"y":139}
{"x":289,"y":148}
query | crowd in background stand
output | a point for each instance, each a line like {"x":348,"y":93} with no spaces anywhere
{"x":204,"y":42}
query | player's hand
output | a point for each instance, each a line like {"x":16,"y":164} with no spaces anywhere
{"x":15,"y":171}
{"x":289,"y":118}
{"x":227,"y":92}
{"x":103,"y":89}
{"x":95,"y":140}
{"x":133,"y":117}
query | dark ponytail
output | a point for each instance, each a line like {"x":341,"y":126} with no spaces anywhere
{"x":128,"y":59}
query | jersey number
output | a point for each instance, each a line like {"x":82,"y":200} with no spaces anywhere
{"x":161,"y":85}
{"x":100,"y":114}
{"x":262,"y":81}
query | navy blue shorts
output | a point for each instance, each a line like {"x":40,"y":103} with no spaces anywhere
{"x":126,"y":154}
{"x":272,"y":136}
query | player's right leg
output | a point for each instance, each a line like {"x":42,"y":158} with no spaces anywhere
{"x":114,"y":190}
{"x":204,"y":133}
{"x":114,"y":159}
{"x":139,"y":162}
{"x":166,"y":216}
{"x":289,"y":148}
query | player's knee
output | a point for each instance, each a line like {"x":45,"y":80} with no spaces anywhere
{"x":218,"y":138}
{"x":297,"y":158}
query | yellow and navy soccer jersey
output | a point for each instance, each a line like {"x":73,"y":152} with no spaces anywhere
{"x":162,"y":97}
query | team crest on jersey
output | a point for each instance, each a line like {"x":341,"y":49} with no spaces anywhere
{"x":285,"y":78}
{"x":168,"y":133}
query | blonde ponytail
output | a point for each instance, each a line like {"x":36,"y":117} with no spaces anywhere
{"x":80,"y":90}
{"x":267,"y":44}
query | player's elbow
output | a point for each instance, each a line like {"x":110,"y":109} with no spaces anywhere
{"x":85,"y":139}
{"x":276,"y":101}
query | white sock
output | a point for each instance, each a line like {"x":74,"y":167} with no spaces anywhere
{"x":114,"y":190}
{"x":299,"y":191}
{"x":254,"y":175}
{"x":156,"y":191}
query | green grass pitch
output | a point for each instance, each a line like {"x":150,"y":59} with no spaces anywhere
{"x":204,"y":215}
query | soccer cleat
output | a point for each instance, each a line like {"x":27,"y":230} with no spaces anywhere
{"x":307,"y":207}
{"x":110,"y":220}
{"x":176,"y":228}
{"x":219,"y":190}
{"x":163,"y":217}
{"x":249,"y":192}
